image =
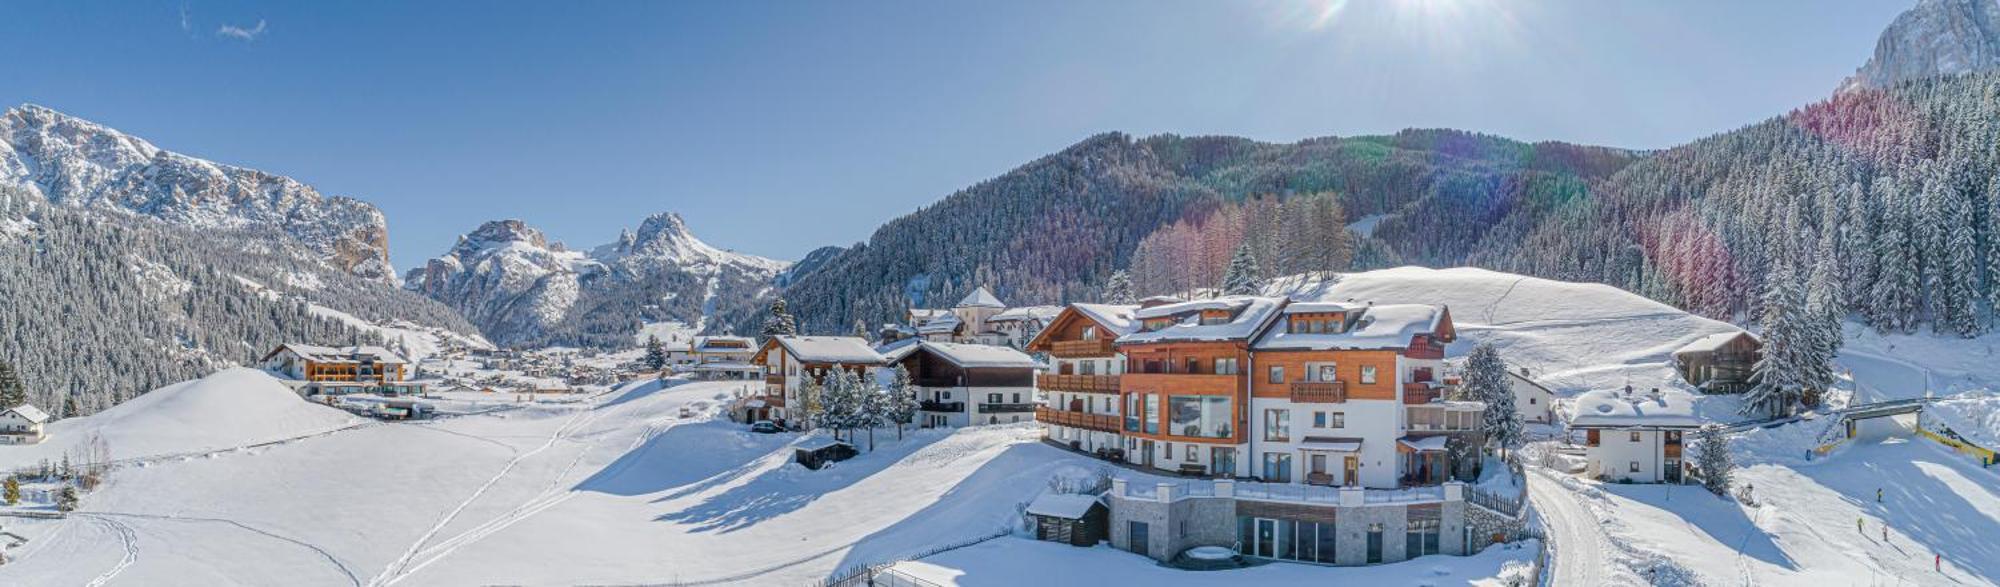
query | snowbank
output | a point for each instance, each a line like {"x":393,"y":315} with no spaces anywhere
{"x":231,"y":408}
{"x":1974,"y":416}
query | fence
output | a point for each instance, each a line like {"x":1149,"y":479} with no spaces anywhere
{"x":1510,"y":506}
{"x":883,"y":575}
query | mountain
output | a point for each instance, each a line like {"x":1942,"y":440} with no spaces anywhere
{"x":1934,"y":38}
{"x":523,"y":290}
{"x":1052,"y":230}
{"x":79,"y":164}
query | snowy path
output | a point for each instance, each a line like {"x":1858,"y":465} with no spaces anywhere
{"x":129,"y":541}
{"x":1575,"y":537}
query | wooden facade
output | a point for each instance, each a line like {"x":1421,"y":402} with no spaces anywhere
{"x":1724,"y":369}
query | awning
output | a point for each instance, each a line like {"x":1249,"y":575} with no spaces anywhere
{"x":1331,"y":444}
{"x":1424,"y":444}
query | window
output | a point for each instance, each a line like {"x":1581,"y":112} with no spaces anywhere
{"x":1531,"y":401}
{"x":1322,"y":372}
{"x":1152,"y":413}
{"x":1193,"y":366}
{"x":1421,"y":538}
{"x":1017,"y":397}
{"x":1190,"y":453}
{"x":1277,"y":467}
{"x":1277,"y":374}
{"x":992,"y":398}
{"x":1086,"y":368}
{"x":1635,"y":438}
{"x":1090,"y":333}
{"x":1199,"y":416}
{"x":1225,"y":366}
{"x":1338,"y":420}
{"x":1634,"y":467}
{"x":1132,"y":412}
{"x":1367,"y":374}
{"x":1319,"y":419}
{"x":1277,"y":425}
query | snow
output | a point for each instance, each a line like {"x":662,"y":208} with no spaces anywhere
{"x":670,"y":333}
{"x":1040,"y":313}
{"x":227,"y":410}
{"x":1365,"y":226}
{"x":1709,"y":343}
{"x":1118,"y":319}
{"x":980,"y":298}
{"x":1388,"y":326}
{"x":1018,"y":561}
{"x":1613,"y":409}
{"x":1423,"y":444}
{"x":979,"y":355}
{"x":1330,"y":444}
{"x":324,"y":354}
{"x":829,"y":349}
{"x":1253,"y":313}
{"x":1974,"y":416}
{"x":1062,"y":505}
{"x":941,"y":324}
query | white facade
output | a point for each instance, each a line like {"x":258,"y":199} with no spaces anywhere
{"x":1330,"y":433}
{"x":1634,"y":455}
{"x":22,"y":425}
{"x":1535,"y":403}
{"x":974,"y":398}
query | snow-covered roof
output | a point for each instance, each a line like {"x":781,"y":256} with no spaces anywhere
{"x":1069,"y":506}
{"x":1043,"y":313}
{"x":979,"y":355}
{"x":1423,"y":444}
{"x":1331,"y":444}
{"x":895,"y":351}
{"x":940,"y":324}
{"x":920,"y":315}
{"x":30,"y":413}
{"x":1379,"y":327}
{"x":829,"y":349}
{"x":1254,"y":313}
{"x":1311,"y":307}
{"x":349,"y":354}
{"x":1119,"y":319}
{"x":1614,"y":409}
{"x":980,"y":298}
{"x":1525,"y":379}
{"x":722,"y":344}
{"x":1161,"y":300}
{"x":1712,"y":342}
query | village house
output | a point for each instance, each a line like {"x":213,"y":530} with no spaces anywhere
{"x":1532,"y":400}
{"x":22,"y":424}
{"x":723,"y":357}
{"x":321,"y":370}
{"x":961,"y":384}
{"x":981,"y":318}
{"x":1082,"y":382}
{"x":1719,"y":363}
{"x":1634,"y":437}
{"x":1016,"y":326}
{"x":788,"y":360}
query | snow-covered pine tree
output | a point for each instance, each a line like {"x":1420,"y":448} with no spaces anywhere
{"x":902,"y":396}
{"x":780,"y":321}
{"x":1486,"y":381}
{"x":1993,"y":250}
{"x":656,"y":355}
{"x":12,"y":392}
{"x":812,"y":399}
{"x":1118,"y":289}
{"x":1716,"y":465}
{"x":1241,"y":279}
{"x":874,"y":408}
{"x":1955,"y":295}
{"x":1824,"y":318}
{"x":1857,"y":233}
{"x":1893,"y":299}
{"x":66,"y":498}
{"x":1779,"y":379}
{"x":861,"y":329}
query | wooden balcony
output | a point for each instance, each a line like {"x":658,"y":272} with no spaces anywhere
{"x":778,"y":380}
{"x":1421,"y":393}
{"x":938,"y":406}
{"x":1098,"y":422}
{"x":1319,"y":392}
{"x":1081,"y":348}
{"x":986,"y":408}
{"x":1078,"y":383}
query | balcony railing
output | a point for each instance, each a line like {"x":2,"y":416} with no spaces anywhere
{"x":937,"y":406}
{"x":1078,"y":383}
{"x":1086,"y":421}
{"x":1081,"y":348}
{"x":1421,"y":393}
{"x":778,"y":380}
{"x":1321,"y":392}
{"x":986,"y":408}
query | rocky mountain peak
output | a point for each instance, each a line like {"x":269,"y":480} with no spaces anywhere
{"x":1933,"y":38}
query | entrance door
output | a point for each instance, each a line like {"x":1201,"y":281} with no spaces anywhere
{"x":1146,"y":447}
{"x":1222,"y":461}
{"x":1137,"y":539}
{"x":1374,"y":545}
{"x":1316,"y":469}
{"x":1352,"y":471}
{"x":1267,"y":538}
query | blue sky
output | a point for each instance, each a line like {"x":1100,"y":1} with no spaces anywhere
{"x":776,"y":127}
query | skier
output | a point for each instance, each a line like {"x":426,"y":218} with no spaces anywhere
{"x":1885,"y":532}
{"x":1878,"y":495}
{"x":1937,"y":563}
{"x":1857,"y":526}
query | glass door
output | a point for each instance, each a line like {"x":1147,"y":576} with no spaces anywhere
{"x":1267,"y":538}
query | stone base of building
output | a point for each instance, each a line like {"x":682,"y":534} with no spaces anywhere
{"x":1320,"y":525}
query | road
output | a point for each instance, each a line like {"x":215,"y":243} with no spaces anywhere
{"x":1579,"y":552}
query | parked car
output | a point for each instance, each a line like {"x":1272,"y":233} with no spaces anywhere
{"x":765,"y":427}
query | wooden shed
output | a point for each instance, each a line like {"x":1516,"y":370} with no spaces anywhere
{"x":1069,"y":518}
{"x":1719,"y":363}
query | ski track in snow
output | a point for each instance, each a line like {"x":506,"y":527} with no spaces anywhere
{"x":129,"y":540}
{"x":1580,"y":555}
{"x":397,"y":570}
{"x":107,"y":518}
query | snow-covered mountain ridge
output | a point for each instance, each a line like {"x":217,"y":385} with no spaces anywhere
{"x":80,"y":164}
{"x":519,"y":287}
{"x":1934,"y":38}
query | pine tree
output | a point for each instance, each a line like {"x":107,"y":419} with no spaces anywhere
{"x":1716,"y":465}
{"x":1893,"y":305}
{"x":1486,"y":381}
{"x":1241,"y":279}
{"x":1993,"y":250}
{"x":874,"y":408}
{"x":1825,"y":318}
{"x":66,"y":499}
{"x":12,"y":392}
{"x":1955,"y":296}
{"x":812,"y":399}
{"x":656,"y":355}
{"x":1780,"y":377}
{"x":780,"y":322}
{"x":837,"y":401}
{"x":861,"y":329}
{"x":1118,"y":289}
{"x":1857,"y":233}
{"x":902,"y":397}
